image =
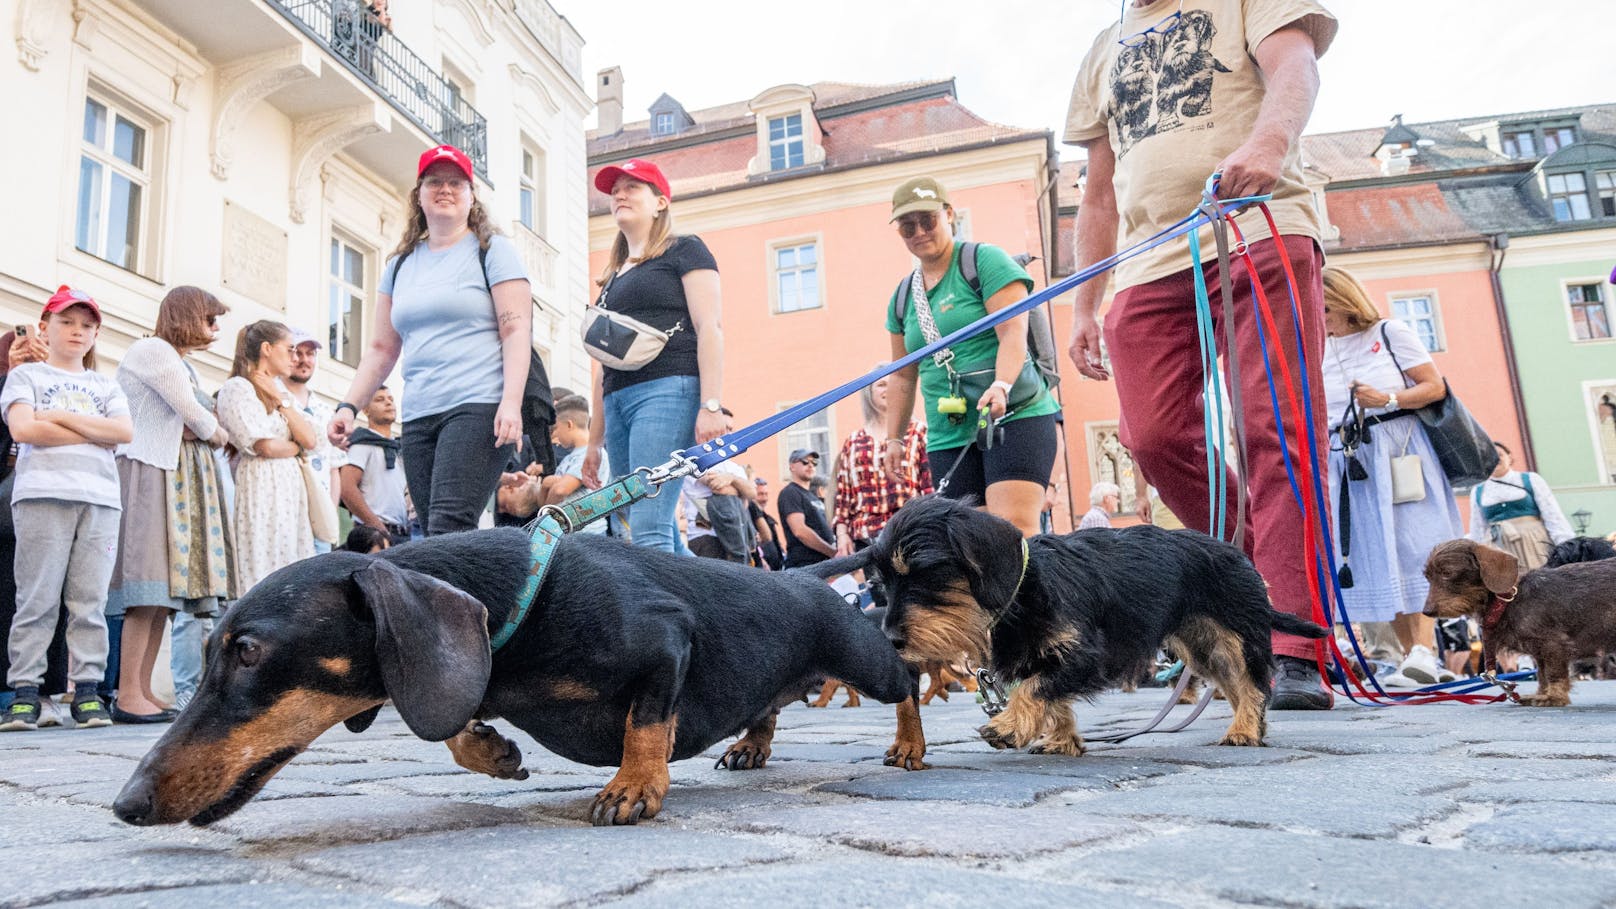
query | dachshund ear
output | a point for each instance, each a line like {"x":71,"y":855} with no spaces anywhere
{"x":431,"y":647}
{"x":989,"y":549}
{"x":361,"y":721}
{"x":1500,"y":571}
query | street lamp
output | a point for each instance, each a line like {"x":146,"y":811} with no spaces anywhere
{"x":1580,"y":517}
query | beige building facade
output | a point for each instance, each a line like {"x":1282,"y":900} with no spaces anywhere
{"x":262,"y":149}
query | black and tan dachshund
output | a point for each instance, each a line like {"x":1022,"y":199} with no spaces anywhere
{"x":1081,"y":612}
{"x":628,"y":658}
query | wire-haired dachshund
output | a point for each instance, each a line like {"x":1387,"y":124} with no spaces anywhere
{"x":1554,"y":615}
{"x":1068,"y":616}
{"x":628,"y":658}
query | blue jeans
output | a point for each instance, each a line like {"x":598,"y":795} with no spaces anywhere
{"x":644,"y":423}
{"x":185,"y":656}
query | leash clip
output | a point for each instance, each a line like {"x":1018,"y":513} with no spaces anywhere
{"x":994,"y":698}
{"x":1504,"y":685}
{"x":677,"y":467}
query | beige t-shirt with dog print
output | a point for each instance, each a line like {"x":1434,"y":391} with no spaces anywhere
{"x":1176,"y":105}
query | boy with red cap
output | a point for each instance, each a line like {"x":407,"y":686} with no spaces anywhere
{"x":67,"y":419}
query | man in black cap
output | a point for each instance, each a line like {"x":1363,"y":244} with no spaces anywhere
{"x":807,"y":532}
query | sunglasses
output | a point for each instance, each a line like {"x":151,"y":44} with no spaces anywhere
{"x":909,"y":225}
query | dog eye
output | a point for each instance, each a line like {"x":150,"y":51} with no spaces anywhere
{"x":248,"y":652}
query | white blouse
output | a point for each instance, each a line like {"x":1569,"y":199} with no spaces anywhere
{"x":1494,"y":492}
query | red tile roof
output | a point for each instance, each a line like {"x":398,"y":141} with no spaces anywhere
{"x":906,"y":128}
{"x":1372,"y":217}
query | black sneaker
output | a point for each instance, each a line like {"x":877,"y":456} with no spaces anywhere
{"x":23,"y":714}
{"x":90,"y":712}
{"x":1297,"y":686}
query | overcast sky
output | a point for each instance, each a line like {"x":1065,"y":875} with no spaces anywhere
{"x":1014,"y":60}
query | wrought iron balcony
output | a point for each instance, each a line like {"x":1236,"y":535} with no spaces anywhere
{"x":354,"y":36}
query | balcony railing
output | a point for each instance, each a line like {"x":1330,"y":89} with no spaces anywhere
{"x":539,"y":257}
{"x":354,"y":36}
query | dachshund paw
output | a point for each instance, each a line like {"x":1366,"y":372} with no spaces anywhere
{"x":1067,"y":746}
{"x":1546,"y":700}
{"x":1242,"y":740}
{"x":481,"y":749}
{"x":744,"y":755}
{"x":1001,"y":738}
{"x":626,"y":802}
{"x":908,"y":755}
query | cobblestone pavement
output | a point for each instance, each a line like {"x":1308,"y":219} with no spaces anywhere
{"x":1355,"y":807}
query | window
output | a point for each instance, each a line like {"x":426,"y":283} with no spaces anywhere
{"x":813,"y":432}
{"x":530,"y":207}
{"x":962,"y":225}
{"x":1602,"y":402}
{"x":1556,"y":138}
{"x":1605,"y":183}
{"x":1418,"y":311}
{"x":1110,"y":462}
{"x":785,"y":142}
{"x":344,"y":339}
{"x":664,"y":124}
{"x":1568,"y":194}
{"x":1590,"y":320}
{"x":1520,"y":144}
{"x":796,"y":270}
{"x":114,"y":184}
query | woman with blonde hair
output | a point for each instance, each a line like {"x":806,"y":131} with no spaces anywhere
{"x":669,"y":282}
{"x":1392,"y":501}
{"x":454,"y":303}
{"x":272,"y":505}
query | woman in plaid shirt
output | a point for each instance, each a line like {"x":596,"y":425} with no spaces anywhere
{"x":866,"y":497}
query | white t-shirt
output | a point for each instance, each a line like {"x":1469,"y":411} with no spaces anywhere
{"x":573,"y":466}
{"x":695,"y":489}
{"x":72,"y":473}
{"x":383,"y":489}
{"x":1363,"y":358}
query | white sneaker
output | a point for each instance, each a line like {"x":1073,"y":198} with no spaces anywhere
{"x":1398,"y":680}
{"x":1420,"y":665}
{"x":50,"y":712}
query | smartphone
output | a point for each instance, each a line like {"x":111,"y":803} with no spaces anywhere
{"x":22,"y":331}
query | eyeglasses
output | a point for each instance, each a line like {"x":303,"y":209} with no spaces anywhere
{"x":454,"y":184}
{"x":1163,"y":27}
{"x":909,"y":225}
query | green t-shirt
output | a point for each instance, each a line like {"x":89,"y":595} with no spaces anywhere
{"x":954,"y":305}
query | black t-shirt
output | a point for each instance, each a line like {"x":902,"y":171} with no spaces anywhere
{"x":796,"y":500}
{"x":654,"y":293}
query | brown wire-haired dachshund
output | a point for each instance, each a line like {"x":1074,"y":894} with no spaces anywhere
{"x":629,"y":658}
{"x":1554,"y":615}
{"x":1070,"y":616}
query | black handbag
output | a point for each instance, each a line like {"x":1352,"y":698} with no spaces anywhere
{"x":1462,"y":447}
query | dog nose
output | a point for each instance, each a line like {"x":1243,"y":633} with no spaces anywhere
{"x":134,"y":804}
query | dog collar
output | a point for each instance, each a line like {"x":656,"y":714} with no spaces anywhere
{"x":556,"y":521}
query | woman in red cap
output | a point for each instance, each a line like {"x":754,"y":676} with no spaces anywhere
{"x":454,"y":303}
{"x":669,"y":283}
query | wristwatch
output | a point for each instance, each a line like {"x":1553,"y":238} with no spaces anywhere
{"x":712,"y":405}
{"x":1004,"y":385}
{"x":1391,"y":402}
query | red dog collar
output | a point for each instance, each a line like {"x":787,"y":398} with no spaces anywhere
{"x":1489,"y":624}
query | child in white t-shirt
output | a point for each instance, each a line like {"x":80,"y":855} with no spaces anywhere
{"x":66,"y":418}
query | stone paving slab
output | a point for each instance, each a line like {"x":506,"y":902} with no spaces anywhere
{"x":898,"y":884}
{"x":1516,"y":802}
{"x":1294,"y":870}
{"x":535,"y":866}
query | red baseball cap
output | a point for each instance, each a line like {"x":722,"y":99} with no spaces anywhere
{"x":636,"y":169}
{"x":66,"y":296}
{"x":445,"y":153}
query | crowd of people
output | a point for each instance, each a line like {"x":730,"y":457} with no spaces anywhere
{"x":171,"y":502}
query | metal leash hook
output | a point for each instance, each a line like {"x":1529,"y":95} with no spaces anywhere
{"x":1504,"y":685}
{"x":677,"y":467}
{"x":993,"y":694}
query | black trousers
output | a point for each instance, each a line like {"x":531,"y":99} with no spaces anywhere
{"x":452,"y":466}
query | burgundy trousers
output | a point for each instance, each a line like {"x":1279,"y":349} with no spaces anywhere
{"x":1151,"y":337}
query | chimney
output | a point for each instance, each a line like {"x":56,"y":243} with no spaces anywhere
{"x":609,"y":101}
